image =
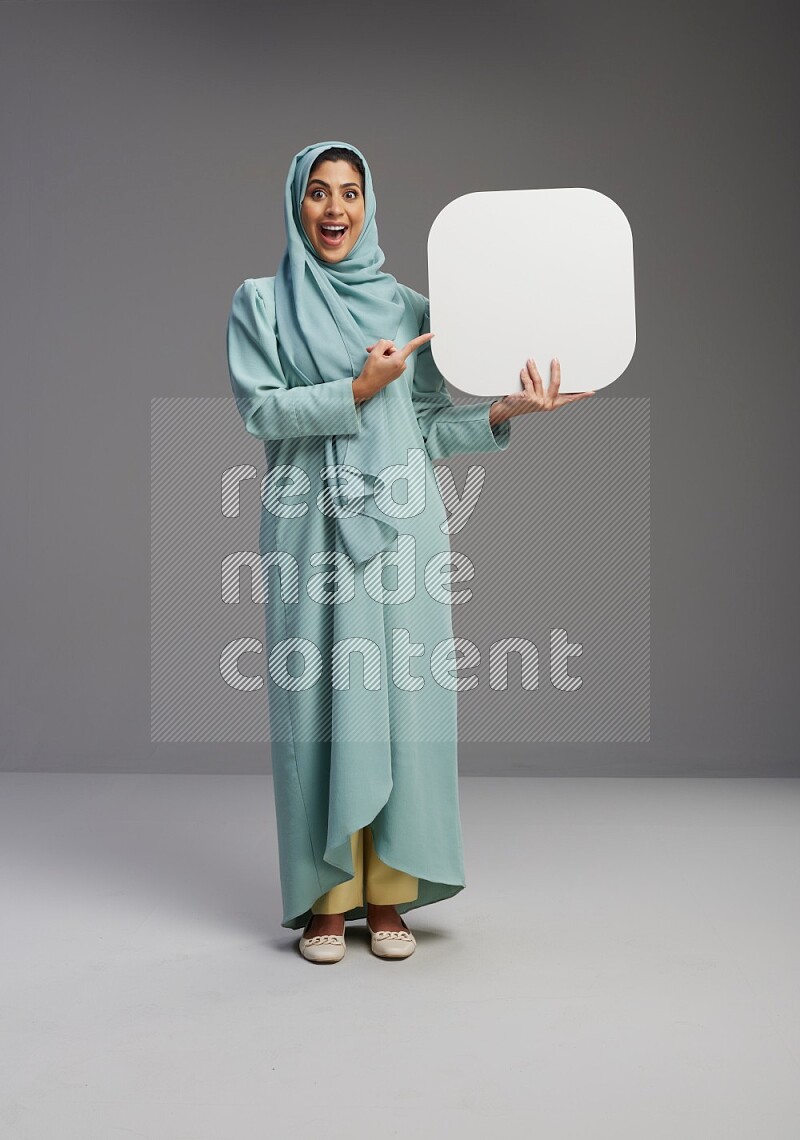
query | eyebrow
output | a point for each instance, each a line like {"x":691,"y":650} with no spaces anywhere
{"x":327,"y":187}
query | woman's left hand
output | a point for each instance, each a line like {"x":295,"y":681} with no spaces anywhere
{"x":533,"y":397}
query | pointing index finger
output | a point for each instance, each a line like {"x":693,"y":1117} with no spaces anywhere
{"x":416,"y":343}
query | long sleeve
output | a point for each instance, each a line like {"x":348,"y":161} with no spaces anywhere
{"x":270,"y":408}
{"x":447,"y":428}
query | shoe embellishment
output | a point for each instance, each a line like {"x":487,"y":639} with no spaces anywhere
{"x":379,"y":934}
{"x":318,"y":939}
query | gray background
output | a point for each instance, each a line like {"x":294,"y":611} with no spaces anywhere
{"x":145,"y":148}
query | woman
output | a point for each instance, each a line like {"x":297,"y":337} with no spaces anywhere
{"x":330,"y":365}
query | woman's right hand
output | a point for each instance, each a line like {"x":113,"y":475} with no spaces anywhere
{"x":384,"y":364}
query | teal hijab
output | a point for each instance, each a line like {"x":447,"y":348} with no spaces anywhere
{"x":326,"y":315}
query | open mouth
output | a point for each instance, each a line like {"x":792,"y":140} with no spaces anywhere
{"x":332,"y":235}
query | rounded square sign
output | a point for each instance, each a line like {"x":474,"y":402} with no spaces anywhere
{"x":539,"y":273}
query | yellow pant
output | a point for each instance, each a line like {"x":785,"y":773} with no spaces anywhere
{"x":385,"y":885}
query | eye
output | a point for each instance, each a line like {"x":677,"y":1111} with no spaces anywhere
{"x":317,"y":191}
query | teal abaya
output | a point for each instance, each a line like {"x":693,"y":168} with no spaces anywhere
{"x":360,"y":678}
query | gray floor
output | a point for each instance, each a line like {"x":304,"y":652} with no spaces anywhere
{"x":623,"y":963}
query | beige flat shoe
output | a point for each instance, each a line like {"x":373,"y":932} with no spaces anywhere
{"x":322,"y":947}
{"x":392,"y":943}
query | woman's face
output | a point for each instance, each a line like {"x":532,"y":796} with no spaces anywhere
{"x":334,"y":197}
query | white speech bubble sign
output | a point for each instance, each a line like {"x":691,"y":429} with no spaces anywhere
{"x":539,"y":273}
